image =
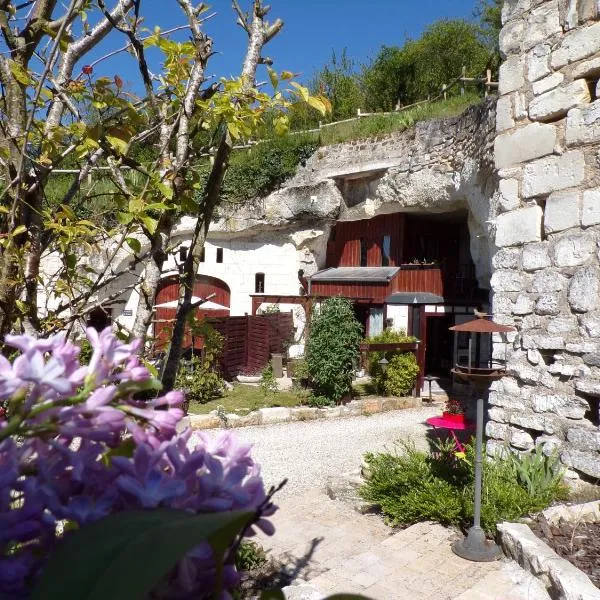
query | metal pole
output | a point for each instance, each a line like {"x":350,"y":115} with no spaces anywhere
{"x":478,"y":463}
{"x":475,"y":546}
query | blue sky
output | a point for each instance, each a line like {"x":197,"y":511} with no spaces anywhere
{"x":312,"y":29}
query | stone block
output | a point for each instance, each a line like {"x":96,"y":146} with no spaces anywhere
{"x":584,"y":439}
{"x":510,"y":37}
{"x":538,"y":62}
{"x":306,"y":414}
{"x":543,"y":22}
{"x":588,"y":68}
{"x":524,"y":144}
{"x":536,"y":256}
{"x":570,"y":407}
{"x":524,"y":373}
{"x":519,"y":227}
{"x":557,"y":102}
{"x":586,"y":462}
{"x":547,"y":304}
{"x":511,"y":75}
{"x":521,"y":440}
{"x":205,"y":422}
{"x":562,"y":211}
{"x":562,"y":325}
{"x":553,"y":173}
{"x":507,"y":281}
{"x":588,"y":386}
{"x":278,"y":414}
{"x":582,"y":347}
{"x":504,"y":113}
{"x":534,"y":357}
{"x":497,"y":431}
{"x":576,"y":45}
{"x":573,"y":250}
{"x":497,"y":414}
{"x":591,"y":324}
{"x":548,"y":280}
{"x":512,"y":9}
{"x":547,"y":83}
{"x":509,"y":194}
{"x":590,"y":210}
{"x":584,"y":289}
{"x":371,"y":406}
{"x":583,"y":124}
{"x":507,"y":258}
{"x":523,"y":305}
{"x":535,"y":421}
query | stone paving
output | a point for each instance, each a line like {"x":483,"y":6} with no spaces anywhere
{"x":327,"y":545}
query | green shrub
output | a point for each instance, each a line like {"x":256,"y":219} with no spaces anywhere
{"x":250,"y":556}
{"x":412,"y":486}
{"x":402,"y":370}
{"x":199,"y":377}
{"x":319,"y":401}
{"x":268,"y":383}
{"x":332,"y":350}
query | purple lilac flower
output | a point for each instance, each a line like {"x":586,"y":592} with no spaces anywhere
{"x":64,"y":475}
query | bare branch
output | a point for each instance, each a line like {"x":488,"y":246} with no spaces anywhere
{"x":242,"y":20}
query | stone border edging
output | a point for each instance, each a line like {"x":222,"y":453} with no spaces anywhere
{"x":562,"y":580}
{"x":270,"y":416}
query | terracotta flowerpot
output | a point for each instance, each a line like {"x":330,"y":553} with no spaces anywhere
{"x":460,"y":418}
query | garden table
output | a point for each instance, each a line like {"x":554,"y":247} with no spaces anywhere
{"x":451,"y":425}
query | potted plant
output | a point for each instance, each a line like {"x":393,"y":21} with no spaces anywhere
{"x":454,"y":411}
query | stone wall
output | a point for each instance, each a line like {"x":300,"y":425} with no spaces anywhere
{"x":546,"y":278}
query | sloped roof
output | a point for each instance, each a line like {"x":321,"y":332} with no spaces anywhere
{"x":356,"y":274}
{"x":414,"y":298}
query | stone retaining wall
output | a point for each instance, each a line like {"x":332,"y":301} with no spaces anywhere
{"x":546,"y":278}
{"x":270,"y":416}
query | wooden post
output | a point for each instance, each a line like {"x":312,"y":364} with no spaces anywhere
{"x":462,"y":86}
{"x":444,"y":91}
{"x":488,"y":81}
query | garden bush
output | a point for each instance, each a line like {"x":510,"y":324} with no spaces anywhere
{"x":412,"y":486}
{"x":332,"y":351}
{"x":199,"y":376}
{"x":268,"y":383}
{"x":402,"y":370}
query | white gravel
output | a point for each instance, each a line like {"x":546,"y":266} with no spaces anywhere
{"x":309,"y":452}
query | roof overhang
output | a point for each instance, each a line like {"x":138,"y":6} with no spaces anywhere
{"x":355,"y":275}
{"x":414,"y":298}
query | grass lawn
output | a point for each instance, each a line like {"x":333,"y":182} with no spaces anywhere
{"x":245,"y":398}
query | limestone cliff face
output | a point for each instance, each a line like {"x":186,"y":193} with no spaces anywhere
{"x":442,"y":165}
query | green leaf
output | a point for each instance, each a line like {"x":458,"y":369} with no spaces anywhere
{"x":124,"y":556}
{"x":302,"y":91}
{"x":19,"y":230}
{"x":118,"y":138}
{"x":285,"y":75}
{"x":19,"y":73}
{"x":124,"y":218}
{"x":165,"y":190}
{"x":273,"y":77}
{"x":317,"y":103}
{"x":134,"y":244}
{"x":150,"y":224}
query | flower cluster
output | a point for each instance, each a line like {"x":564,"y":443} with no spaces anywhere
{"x":76,"y":445}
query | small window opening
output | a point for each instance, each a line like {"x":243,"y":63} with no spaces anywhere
{"x":202,"y":254}
{"x":386,"y":249}
{"x":219,"y":255}
{"x":363,"y":252}
{"x":259,"y":283}
{"x":182,"y":253}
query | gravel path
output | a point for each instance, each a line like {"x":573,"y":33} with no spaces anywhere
{"x":309,"y":452}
